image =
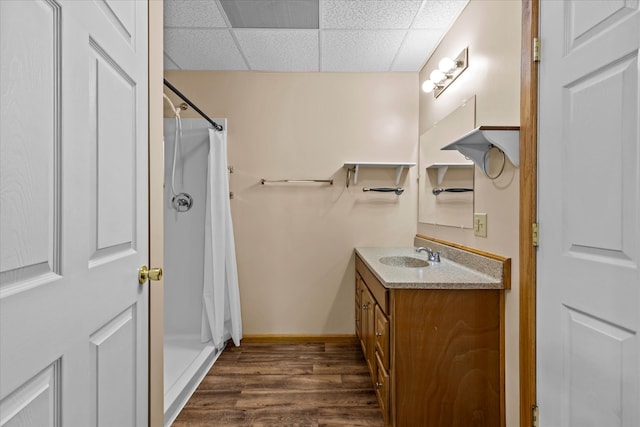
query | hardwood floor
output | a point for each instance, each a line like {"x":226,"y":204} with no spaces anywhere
{"x":312,"y":384}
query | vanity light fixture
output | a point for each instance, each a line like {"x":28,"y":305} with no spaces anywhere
{"x":448,"y":70}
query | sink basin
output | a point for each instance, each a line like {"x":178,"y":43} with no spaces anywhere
{"x":404,"y":261}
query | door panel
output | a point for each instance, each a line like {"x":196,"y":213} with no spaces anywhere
{"x":122,"y":17}
{"x":30,"y":161}
{"x":36,"y":403}
{"x":588,"y":351}
{"x":73,"y":188}
{"x":113,"y":112}
{"x":601,"y":108}
{"x":597,"y":398}
{"x":590,"y":18}
{"x":112,"y":371}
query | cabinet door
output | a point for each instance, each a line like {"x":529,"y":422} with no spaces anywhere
{"x":368,"y":305}
{"x":358,"y":306}
{"x":446,"y":366}
{"x":381,"y":330}
{"x":382,"y":388}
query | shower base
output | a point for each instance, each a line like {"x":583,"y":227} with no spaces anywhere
{"x":186,"y":362}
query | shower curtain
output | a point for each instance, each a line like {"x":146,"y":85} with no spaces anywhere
{"x":221,"y":297}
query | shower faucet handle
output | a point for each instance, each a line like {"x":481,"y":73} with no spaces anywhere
{"x":182,"y":202}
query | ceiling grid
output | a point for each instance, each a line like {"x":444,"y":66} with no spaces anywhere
{"x":305,"y":35}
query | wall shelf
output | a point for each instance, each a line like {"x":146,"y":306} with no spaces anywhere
{"x":475,"y":144}
{"x":355,"y":168}
{"x":444,"y":167}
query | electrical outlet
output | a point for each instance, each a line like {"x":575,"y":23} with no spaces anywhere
{"x":480,"y":224}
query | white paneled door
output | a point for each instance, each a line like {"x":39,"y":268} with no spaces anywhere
{"x":73,"y":188}
{"x":588,"y":307}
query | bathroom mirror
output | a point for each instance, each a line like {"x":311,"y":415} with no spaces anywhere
{"x":445,"y":195}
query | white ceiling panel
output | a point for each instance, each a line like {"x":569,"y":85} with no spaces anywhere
{"x":272,"y":13}
{"x":368,"y":14}
{"x":416,"y":48}
{"x":279,"y":50}
{"x":359,"y":51}
{"x":193,"y":14}
{"x":438,"y":14}
{"x":354,"y":35}
{"x":168,"y":63}
{"x":203,"y":49}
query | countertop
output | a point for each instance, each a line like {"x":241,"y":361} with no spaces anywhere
{"x":444,"y":275}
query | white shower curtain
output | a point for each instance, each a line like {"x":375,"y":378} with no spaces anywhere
{"x":221,"y":297}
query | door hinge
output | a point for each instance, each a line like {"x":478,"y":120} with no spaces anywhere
{"x":534,"y":416}
{"x":535,"y":235}
{"x":536,"y":49}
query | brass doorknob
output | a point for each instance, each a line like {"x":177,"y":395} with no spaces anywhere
{"x":145,"y":274}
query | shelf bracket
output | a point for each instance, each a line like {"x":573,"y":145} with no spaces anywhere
{"x":398,"y":174}
{"x":356,"y":168}
{"x":442,"y":171}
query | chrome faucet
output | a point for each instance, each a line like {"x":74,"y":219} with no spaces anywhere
{"x":433,"y":256}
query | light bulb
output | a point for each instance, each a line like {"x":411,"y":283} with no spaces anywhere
{"x":437,"y":76}
{"x":428,"y":86}
{"x":446,"y":65}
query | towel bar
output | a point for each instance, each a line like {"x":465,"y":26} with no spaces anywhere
{"x":437,"y":191}
{"x":296,"y":181}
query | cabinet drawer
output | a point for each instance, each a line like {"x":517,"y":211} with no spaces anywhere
{"x":382,"y":389}
{"x":379,"y":292}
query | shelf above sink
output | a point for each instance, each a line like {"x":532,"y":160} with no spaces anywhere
{"x":355,"y":167}
{"x":475,"y":144}
{"x":442,"y":168}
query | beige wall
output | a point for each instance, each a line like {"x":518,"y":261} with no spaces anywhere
{"x":491,"y":30}
{"x":295,"y":242}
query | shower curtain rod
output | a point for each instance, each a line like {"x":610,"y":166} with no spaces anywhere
{"x":185,"y":99}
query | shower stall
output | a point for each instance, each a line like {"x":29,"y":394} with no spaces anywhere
{"x":189,"y":350}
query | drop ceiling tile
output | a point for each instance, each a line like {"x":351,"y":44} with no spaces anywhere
{"x":359,"y":51}
{"x":367,"y":14}
{"x":438,"y":14}
{"x":192,"y":14}
{"x":279,"y":50}
{"x":416,"y":48}
{"x":289,"y":14}
{"x":203,"y":49}
{"x":169,"y":64}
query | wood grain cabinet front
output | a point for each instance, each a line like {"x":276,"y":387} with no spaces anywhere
{"x":382,"y":388}
{"x":436,"y":356}
{"x":358,"y":307}
{"x":381,"y":332}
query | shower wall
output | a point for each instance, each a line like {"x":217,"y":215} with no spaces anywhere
{"x":184,"y":231}
{"x":186,"y":358}
{"x":295,"y":242}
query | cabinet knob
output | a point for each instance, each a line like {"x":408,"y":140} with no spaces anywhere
{"x":378,"y":384}
{"x":364,"y":306}
{"x":378,"y":334}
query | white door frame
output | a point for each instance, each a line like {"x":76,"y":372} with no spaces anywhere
{"x":156,"y":217}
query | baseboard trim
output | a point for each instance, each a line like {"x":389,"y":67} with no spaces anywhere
{"x":348,"y":338}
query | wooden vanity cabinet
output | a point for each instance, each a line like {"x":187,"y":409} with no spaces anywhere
{"x":434,"y":354}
